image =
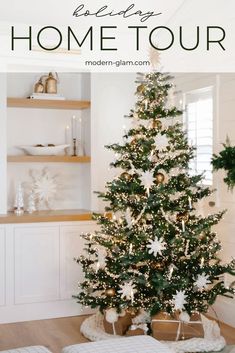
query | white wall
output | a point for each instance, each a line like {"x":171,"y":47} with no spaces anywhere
{"x":112,"y":97}
{"x":226,"y":229}
{"x":3,"y":177}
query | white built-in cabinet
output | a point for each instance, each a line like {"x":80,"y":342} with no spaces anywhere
{"x":38,"y":274}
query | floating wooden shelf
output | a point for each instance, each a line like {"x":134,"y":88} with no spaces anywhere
{"x":47,"y":216}
{"x":48,"y":159}
{"x":47,"y":104}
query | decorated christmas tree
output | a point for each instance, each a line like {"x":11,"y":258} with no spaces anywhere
{"x":153,"y":250}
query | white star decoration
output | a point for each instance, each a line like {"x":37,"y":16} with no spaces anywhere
{"x":127,"y":290}
{"x":147,"y":179}
{"x":202,"y":281}
{"x":161,"y":142}
{"x":102,"y":253}
{"x":179,"y":299}
{"x":156,"y":246}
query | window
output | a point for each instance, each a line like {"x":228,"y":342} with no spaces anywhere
{"x":199,"y":125}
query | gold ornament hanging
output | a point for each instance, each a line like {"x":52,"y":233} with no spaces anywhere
{"x":110,"y":292}
{"x":160,"y":178}
{"x":157,"y":265}
{"x":126,"y":176}
{"x":157,"y":124}
{"x":134,"y":141}
{"x":183,"y":216}
{"x":141,"y":89}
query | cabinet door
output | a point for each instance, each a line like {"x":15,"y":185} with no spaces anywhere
{"x":72,"y":245}
{"x":2,"y":267}
{"x":37,"y":267}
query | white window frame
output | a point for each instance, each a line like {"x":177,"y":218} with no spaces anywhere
{"x":194,"y":96}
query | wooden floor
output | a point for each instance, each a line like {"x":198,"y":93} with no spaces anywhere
{"x":58,"y":333}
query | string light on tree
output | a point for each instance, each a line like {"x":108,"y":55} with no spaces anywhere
{"x":161,"y":254}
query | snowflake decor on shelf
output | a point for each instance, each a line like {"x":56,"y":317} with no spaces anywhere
{"x":202,"y":281}
{"x":127,"y":290}
{"x":45,"y":187}
{"x":179,"y":299}
{"x":156,"y":246}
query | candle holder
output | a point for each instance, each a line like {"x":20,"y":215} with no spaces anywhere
{"x":74,"y":147}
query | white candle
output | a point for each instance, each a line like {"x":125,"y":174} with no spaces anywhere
{"x":74,"y":127}
{"x":67,"y":135}
{"x":80,"y":129}
{"x":97,"y":266}
{"x":146,"y":104}
{"x":148,"y":193}
{"x":132,"y":296}
{"x":202,"y":262}
{"x":183,"y":225}
{"x":131,"y":248}
{"x":171,"y":271}
{"x":190,"y":202}
{"x":68,"y":138}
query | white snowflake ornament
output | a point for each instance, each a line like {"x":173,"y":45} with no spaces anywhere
{"x":156,"y":246}
{"x":147,"y":179}
{"x":179,"y":299}
{"x":202,"y":281}
{"x":145,"y":123}
{"x":102,"y":253}
{"x":161,"y":142}
{"x":127,"y":290}
{"x":184,"y":317}
{"x":111,"y":315}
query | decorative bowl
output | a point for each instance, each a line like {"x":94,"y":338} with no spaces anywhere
{"x":43,"y":150}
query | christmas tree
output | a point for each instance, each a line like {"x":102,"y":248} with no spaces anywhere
{"x":153,"y":250}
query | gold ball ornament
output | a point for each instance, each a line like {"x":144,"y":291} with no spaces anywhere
{"x":157,"y":124}
{"x":134,"y":142}
{"x":157,"y":265}
{"x":126,"y":176}
{"x":160,"y":178}
{"x":183,"y":216}
{"x":141,"y":89}
{"x":110,"y":292}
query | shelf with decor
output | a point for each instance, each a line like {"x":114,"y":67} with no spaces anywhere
{"x":72,"y":215}
{"x":59,"y":121}
{"x":48,"y":159}
{"x":47,"y":104}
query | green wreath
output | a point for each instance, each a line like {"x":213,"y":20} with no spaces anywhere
{"x":226,"y":160}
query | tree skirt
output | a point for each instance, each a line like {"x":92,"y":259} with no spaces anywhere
{"x":93,"y":329}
